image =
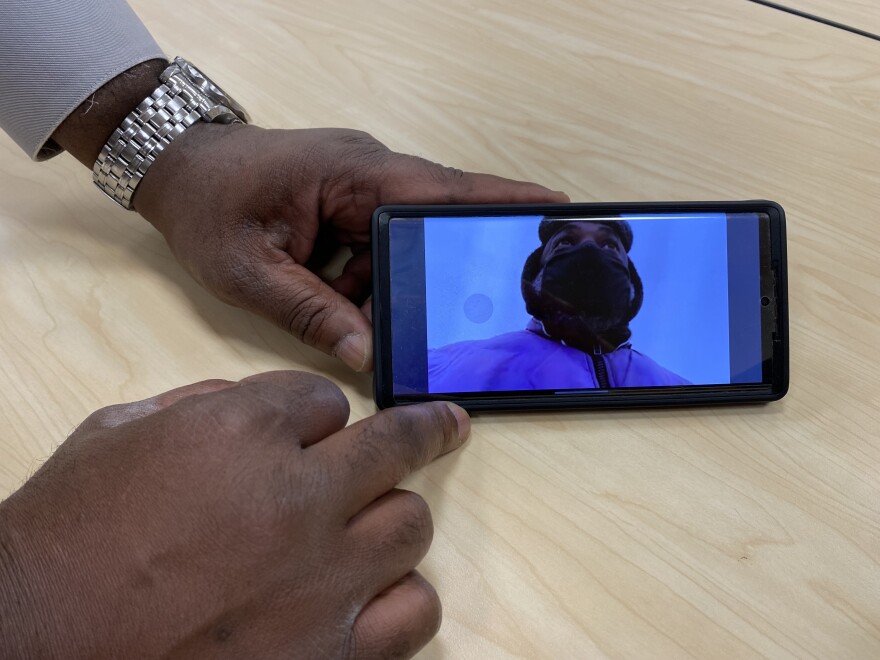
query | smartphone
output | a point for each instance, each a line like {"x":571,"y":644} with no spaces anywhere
{"x":521,"y":307}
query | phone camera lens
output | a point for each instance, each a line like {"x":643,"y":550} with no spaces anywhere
{"x":765,"y":301}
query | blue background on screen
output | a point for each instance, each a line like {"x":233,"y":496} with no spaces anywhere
{"x":473,"y":268}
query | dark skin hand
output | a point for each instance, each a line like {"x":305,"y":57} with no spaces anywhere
{"x":243,"y":207}
{"x":226,"y":520}
{"x":242,"y":520}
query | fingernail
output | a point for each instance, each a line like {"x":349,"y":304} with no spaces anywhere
{"x":464,"y":421}
{"x":352,"y":349}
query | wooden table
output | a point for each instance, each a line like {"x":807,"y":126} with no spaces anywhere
{"x":707,"y":533}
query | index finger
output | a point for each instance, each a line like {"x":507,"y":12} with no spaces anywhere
{"x":373,"y":456}
{"x":414,"y":180}
{"x":408,"y":179}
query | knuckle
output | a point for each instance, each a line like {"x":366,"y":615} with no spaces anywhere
{"x":107,"y":417}
{"x":376,"y":639}
{"x":323,"y":388}
{"x":450,"y":184}
{"x":416,"y":523}
{"x":425,"y":614}
{"x":324,"y":395}
{"x":265,"y":400}
{"x":307,"y":318}
{"x":97,"y":420}
{"x":442,"y":174}
{"x":165,"y":399}
{"x":355,"y":136}
{"x":361,"y":150}
{"x":301,"y":385}
{"x":296,"y":394}
{"x":430,"y":608}
{"x":454,"y":173}
{"x":228,"y":413}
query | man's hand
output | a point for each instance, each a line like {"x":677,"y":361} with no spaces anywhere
{"x":238,"y":520}
{"x":243,"y":209}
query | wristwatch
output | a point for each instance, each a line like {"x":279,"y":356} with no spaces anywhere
{"x":185,"y":96}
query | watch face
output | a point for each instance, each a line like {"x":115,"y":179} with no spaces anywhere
{"x":207,"y":87}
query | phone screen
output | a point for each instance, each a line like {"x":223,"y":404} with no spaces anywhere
{"x":555,"y":304}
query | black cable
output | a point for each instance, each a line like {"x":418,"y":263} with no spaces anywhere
{"x":818,"y":19}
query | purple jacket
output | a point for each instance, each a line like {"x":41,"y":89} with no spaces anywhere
{"x":529,"y":360}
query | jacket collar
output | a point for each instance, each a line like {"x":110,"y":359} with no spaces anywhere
{"x":537,"y":327}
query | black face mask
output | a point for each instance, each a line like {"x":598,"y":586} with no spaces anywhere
{"x":586,"y":287}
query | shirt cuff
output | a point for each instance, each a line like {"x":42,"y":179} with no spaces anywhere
{"x":55,"y":55}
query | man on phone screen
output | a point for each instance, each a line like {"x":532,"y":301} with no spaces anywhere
{"x":582,"y":291}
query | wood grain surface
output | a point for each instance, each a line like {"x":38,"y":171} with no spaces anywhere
{"x":707,"y":533}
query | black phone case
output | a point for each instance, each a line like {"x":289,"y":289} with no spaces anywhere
{"x":615,"y":398}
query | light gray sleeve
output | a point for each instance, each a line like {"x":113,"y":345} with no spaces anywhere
{"x":54,"y":54}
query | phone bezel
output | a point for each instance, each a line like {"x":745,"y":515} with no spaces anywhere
{"x":624,"y":397}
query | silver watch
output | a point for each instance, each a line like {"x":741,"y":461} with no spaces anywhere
{"x":185,"y":96}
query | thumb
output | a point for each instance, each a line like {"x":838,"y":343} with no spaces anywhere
{"x":304,"y":305}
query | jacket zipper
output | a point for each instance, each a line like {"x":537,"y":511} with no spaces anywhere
{"x":601,"y":371}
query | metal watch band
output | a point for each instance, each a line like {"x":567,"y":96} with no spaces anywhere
{"x":143,"y":135}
